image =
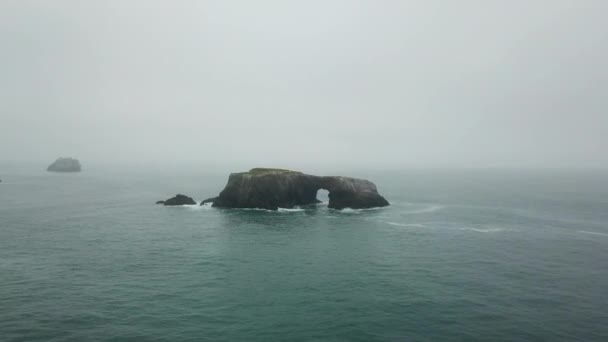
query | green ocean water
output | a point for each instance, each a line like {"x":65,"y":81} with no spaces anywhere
{"x":458,"y":256}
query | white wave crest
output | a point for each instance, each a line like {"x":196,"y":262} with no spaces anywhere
{"x":356,"y":211}
{"x":256,"y":209}
{"x":288,"y":210}
{"x":194,"y":206}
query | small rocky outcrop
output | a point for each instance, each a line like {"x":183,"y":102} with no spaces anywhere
{"x":178,"y":200}
{"x":65,"y":165}
{"x":276,"y":188}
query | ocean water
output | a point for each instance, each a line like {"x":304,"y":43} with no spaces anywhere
{"x":458,"y":256}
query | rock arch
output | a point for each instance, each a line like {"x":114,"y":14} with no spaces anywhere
{"x":274,"y":188}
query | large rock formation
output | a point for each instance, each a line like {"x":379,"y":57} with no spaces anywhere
{"x":179,"y":199}
{"x":274,"y":188}
{"x":65,"y":165}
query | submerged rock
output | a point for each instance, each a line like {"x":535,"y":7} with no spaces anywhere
{"x":65,"y":165}
{"x":177,"y":200}
{"x":274,"y":188}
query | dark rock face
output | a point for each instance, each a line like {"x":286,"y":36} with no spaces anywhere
{"x":65,"y":165}
{"x":208,"y":200}
{"x":345,"y":192}
{"x":274,"y":188}
{"x":177,"y":200}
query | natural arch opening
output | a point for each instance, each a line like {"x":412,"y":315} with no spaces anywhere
{"x":323,"y":196}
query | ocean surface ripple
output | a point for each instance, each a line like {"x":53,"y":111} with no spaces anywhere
{"x":473,"y":256}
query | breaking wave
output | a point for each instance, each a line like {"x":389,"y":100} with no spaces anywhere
{"x":356,"y":211}
{"x":288,"y":210}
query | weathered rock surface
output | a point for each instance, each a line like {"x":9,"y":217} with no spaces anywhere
{"x":177,"y":200}
{"x":65,"y":165}
{"x":274,"y":188}
{"x":208,"y":200}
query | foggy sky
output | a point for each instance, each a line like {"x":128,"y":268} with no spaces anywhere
{"x":278,"y":83}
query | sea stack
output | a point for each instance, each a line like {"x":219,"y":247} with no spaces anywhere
{"x":179,"y":199}
{"x":65,"y":165}
{"x":277,"y":188}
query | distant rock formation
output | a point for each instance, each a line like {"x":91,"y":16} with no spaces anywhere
{"x":65,"y":165}
{"x":276,"y":188}
{"x":177,"y":200}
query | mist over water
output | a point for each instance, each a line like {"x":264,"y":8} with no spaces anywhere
{"x":475,"y":255}
{"x":343,"y":83}
{"x":483,"y":123}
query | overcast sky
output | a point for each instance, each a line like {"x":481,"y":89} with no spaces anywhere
{"x":397,"y":83}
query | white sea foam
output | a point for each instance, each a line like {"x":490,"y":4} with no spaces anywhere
{"x":292,"y":210}
{"x":192,"y":206}
{"x":257,"y":209}
{"x":350,"y":211}
{"x":592,"y":233}
{"x":356,"y":211}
